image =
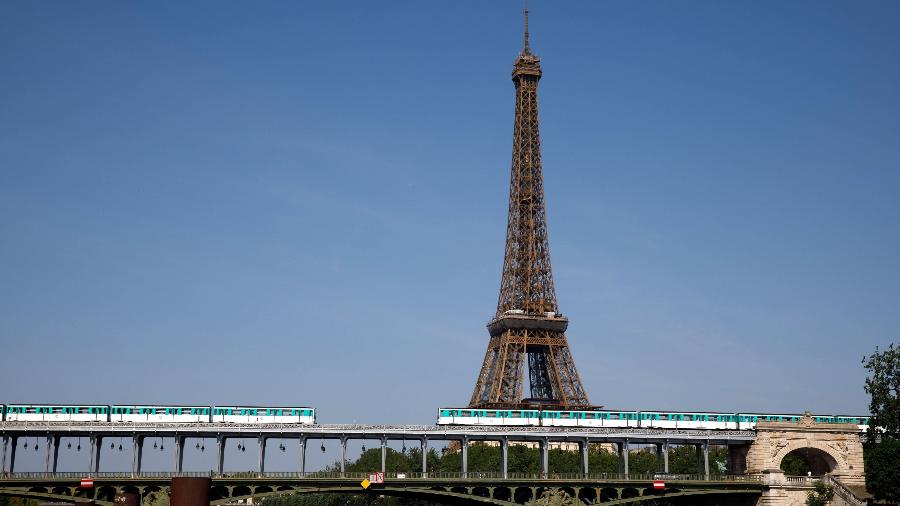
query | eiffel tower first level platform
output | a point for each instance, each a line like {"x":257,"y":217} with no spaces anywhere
{"x":528,"y":332}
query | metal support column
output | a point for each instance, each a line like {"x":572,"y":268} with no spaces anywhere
{"x":12,"y":455}
{"x":383,"y":454}
{"x":545,"y":457}
{"x":699,"y":459}
{"x":706,"y":460}
{"x":425,"y":457}
{"x":261,"y":443}
{"x":625,"y":457}
{"x":666,"y":456}
{"x":302,"y":454}
{"x":3,"y":461}
{"x":220,"y":454}
{"x":179,"y":453}
{"x":659,"y":463}
{"x":54,"y":464}
{"x":49,"y":452}
{"x":585,"y":463}
{"x":504,"y":457}
{"x":137,"y":454}
{"x":343,"y":454}
{"x":464,"y":444}
{"x":96,"y":450}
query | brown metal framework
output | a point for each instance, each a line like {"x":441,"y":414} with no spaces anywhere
{"x":527,"y":330}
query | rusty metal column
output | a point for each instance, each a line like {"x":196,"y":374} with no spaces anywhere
{"x":504,"y":457}
{"x":545,"y":457}
{"x":261,"y":442}
{"x":190,"y":491}
{"x":179,"y":453}
{"x":302,"y":455}
{"x":384,"y":454}
{"x":137,"y":454}
{"x":424,"y":457}
{"x":220,"y":453}
{"x":464,"y":447}
{"x":585,"y":462}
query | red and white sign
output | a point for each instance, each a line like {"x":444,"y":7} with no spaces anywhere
{"x":376,"y":477}
{"x":87,"y":483}
{"x":659,"y":484}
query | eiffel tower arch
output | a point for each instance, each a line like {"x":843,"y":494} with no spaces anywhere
{"x":527,"y":332}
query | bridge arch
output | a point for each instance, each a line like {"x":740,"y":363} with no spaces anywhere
{"x":821,"y":458}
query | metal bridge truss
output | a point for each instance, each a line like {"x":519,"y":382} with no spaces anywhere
{"x":94,"y":432}
{"x":477,"y":488}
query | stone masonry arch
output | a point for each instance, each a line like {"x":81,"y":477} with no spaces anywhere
{"x":840,"y":442}
{"x":837,"y":464}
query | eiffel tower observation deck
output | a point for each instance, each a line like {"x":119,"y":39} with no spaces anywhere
{"x":528,"y":331}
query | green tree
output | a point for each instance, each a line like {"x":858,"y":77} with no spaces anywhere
{"x":883,"y":437}
{"x":820,"y":495}
{"x":794,"y":465}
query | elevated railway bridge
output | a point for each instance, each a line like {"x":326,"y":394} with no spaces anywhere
{"x":753,"y":473}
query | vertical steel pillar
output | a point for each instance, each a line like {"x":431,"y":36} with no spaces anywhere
{"x":464,"y":444}
{"x":706,"y":459}
{"x":220,"y":453}
{"x":383,"y":454}
{"x":545,"y":457}
{"x":55,"y":462}
{"x":3,"y":461}
{"x":424,"y":457}
{"x":302,"y":454}
{"x":179,"y":453}
{"x":619,"y":461}
{"x":49,"y":445}
{"x":96,"y":450}
{"x":12,"y":454}
{"x":625,"y":457}
{"x":343,"y":454}
{"x":261,"y":443}
{"x":699,"y":459}
{"x":504,"y":457}
{"x":659,"y":463}
{"x":585,"y":463}
{"x":137,"y":454}
{"x":666,"y":456}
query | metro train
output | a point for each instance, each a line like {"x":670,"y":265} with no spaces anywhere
{"x":151,"y":413}
{"x":610,"y":418}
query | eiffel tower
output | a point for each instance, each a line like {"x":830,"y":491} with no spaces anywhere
{"x":528,"y":329}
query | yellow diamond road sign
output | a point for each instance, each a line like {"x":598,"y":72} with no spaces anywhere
{"x":365,"y":483}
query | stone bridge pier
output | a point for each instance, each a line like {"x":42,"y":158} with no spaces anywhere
{"x":829,"y":449}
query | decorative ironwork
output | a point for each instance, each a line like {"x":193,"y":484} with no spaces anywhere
{"x":527,"y":325}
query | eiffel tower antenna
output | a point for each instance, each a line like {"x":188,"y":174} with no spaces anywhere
{"x":527,"y":331}
{"x":526,"y":47}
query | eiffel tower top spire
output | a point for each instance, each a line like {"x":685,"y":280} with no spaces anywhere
{"x":526,"y":48}
{"x":527,"y":281}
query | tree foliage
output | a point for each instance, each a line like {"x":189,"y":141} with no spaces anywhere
{"x":820,"y":495}
{"x":883,"y":437}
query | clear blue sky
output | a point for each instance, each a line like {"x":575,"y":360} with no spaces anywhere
{"x":285,"y":203}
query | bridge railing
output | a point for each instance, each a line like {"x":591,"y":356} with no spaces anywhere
{"x":355,"y":475}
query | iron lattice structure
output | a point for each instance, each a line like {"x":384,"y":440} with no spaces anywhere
{"x":527,"y":331}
